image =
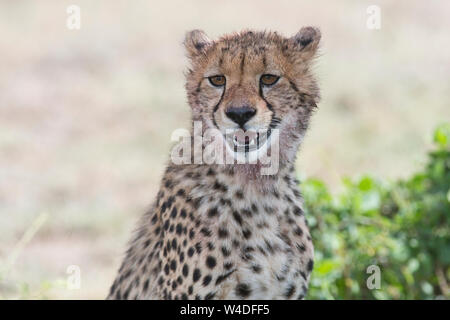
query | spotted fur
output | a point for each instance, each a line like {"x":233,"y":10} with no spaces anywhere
{"x":226,"y":231}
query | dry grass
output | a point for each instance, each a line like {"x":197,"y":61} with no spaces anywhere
{"x":86,"y":116}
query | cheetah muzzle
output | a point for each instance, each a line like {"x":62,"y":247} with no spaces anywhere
{"x":226,"y":231}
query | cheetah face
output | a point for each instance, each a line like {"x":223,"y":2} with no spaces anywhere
{"x":250,"y":83}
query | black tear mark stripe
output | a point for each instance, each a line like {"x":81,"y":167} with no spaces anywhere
{"x":274,"y":121}
{"x":217,"y":105}
{"x":267,"y":102}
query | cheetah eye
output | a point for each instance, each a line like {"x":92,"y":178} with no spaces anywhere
{"x":217,"y":81}
{"x":269,"y":79}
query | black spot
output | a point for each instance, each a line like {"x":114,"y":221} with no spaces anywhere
{"x":166,"y":225}
{"x":173,"y":214}
{"x":301,"y":247}
{"x":196,"y":275}
{"x":219,"y":186}
{"x":246,"y":212}
{"x":247,"y":233}
{"x":183,"y":213}
{"x":298,"y":211}
{"x":211,"y":262}
{"x":269,"y":246}
{"x":207,"y":280}
{"x":166,"y":269}
{"x":179,"y":229}
{"x":213,"y":212}
{"x":239,"y":194}
{"x":237,"y":217}
{"x":126,"y":293}
{"x":303,"y":275}
{"x":198,"y":247}
{"x":223,"y":233}
{"x":174,"y":244}
{"x":210,"y":296}
{"x":173,"y":265}
{"x":298,"y":231}
{"x":243,"y":290}
{"x":184,"y":296}
{"x":206,"y":232}
{"x":168,"y":184}
{"x":289,"y":291}
{"x":181,"y":193}
{"x":225,"y":251}
{"x":256,"y":268}
{"x":228,"y":265}
{"x":190,"y":289}
{"x":170,"y":200}
{"x":310,"y":265}
{"x":185,"y":270}
{"x":190,"y":252}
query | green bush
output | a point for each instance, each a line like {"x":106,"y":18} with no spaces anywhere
{"x":402,"y":227}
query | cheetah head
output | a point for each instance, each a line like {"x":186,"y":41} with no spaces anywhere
{"x":247,"y":84}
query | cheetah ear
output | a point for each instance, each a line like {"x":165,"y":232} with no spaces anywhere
{"x":307,"y":41}
{"x":196,"y":42}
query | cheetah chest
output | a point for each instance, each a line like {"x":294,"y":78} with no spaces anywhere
{"x":262,"y":255}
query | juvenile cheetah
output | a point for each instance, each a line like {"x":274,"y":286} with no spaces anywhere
{"x":225,"y":231}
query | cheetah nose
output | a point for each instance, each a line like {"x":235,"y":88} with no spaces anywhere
{"x":240,"y":115}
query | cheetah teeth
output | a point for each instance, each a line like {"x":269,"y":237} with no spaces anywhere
{"x":252,"y":143}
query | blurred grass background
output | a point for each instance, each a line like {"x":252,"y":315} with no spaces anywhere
{"x":86,"y":115}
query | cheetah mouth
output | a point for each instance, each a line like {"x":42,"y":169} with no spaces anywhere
{"x":247,"y":142}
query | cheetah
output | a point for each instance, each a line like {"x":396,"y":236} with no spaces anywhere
{"x":226,"y":231}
